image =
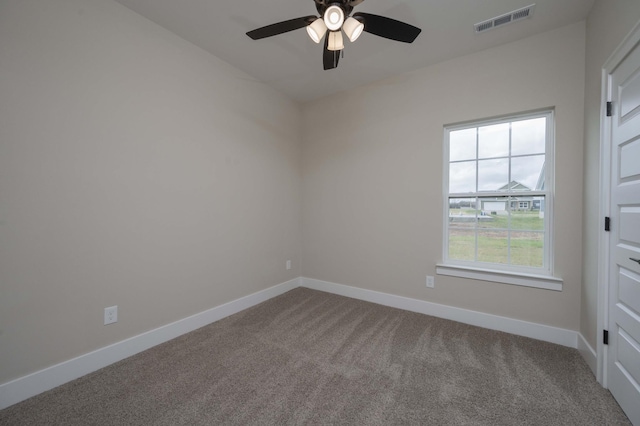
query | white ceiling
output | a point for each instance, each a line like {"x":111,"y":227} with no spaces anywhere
{"x":292,"y":63}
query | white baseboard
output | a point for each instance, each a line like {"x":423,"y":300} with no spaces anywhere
{"x":25,"y":387}
{"x":588,"y":354}
{"x":546,"y":333}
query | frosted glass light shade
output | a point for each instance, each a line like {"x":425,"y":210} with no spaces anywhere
{"x":335,"y":41}
{"x":334,"y":17}
{"x":353,"y":28}
{"x":317,"y":30}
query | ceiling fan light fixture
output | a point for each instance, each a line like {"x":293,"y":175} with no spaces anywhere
{"x":353,"y":28}
{"x":317,"y":30}
{"x":334,"y":17}
{"x":335,"y":41}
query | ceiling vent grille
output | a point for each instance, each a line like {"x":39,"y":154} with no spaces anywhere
{"x":516,"y":15}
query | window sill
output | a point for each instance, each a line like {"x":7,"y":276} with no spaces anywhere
{"x":514,"y":278}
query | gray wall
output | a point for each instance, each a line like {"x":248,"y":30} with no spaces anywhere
{"x":135,"y":170}
{"x":372,"y":167}
{"x":608,"y":24}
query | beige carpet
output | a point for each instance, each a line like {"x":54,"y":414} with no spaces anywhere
{"x":308,"y":357}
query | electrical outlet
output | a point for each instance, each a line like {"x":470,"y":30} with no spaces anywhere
{"x":431,"y":282}
{"x":288,"y":265}
{"x":110,"y":315}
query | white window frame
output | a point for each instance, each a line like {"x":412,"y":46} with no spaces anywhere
{"x":507,"y":274}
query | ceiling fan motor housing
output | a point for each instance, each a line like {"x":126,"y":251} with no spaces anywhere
{"x":323,"y":5}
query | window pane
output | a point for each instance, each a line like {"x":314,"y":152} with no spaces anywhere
{"x":462,"y":213}
{"x":527,"y":249}
{"x":528,"y":136}
{"x":462,"y":177}
{"x":493,"y":247}
{"x":462,"y":145}
{"x":493,"y":213}
{"x":493,"y":174}
{"x":528,"y":171}
{"x":462,"y":244}
{"x":493,"y":141}
{"x":538,"y":206}
{"x":525,"y":216}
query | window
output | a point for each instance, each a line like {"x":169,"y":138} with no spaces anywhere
{"x":498,"y":200}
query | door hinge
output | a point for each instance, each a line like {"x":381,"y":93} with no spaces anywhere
{"x":607,"y":224}
{"x":605,"y":337}
{"x":609,"y":109}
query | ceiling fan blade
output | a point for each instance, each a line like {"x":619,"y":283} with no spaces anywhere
{"x":353,"y":3}
{"x":388,"y":28}
{"x":281,"y":27}
{"x":330,"y":58}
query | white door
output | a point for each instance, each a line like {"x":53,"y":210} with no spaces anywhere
{"x":623,"y":356}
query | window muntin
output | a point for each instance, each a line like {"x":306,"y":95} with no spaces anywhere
{"x":498,"y":202}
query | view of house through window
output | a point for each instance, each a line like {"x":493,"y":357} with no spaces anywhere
{"x":498,"y":193}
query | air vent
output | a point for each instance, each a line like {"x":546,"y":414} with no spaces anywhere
{"x":516,"y":15}
{"x":484,"y":26}
{"x":523,"y":13}
{"x":502,"y":20}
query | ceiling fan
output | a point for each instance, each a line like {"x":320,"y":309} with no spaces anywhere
{"x":335,"y":17}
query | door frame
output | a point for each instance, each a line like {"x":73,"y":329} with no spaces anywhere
{"x":621,"y":52}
